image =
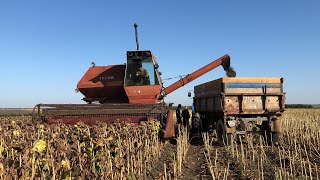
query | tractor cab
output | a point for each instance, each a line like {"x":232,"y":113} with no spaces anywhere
{"x":141,"y":69}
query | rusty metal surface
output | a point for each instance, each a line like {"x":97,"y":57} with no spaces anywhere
{"x":253,"y":104}
{"x":143,"y":94}
{"x":276,"y":125}
{"x":92,"y":113}
{"x":170,"y":125}
{"x":240,"y":96}
{"x":240,"y":104}
{"x":104,"y":83}
{"x":93,"y":120}
{"x":252,"y":112}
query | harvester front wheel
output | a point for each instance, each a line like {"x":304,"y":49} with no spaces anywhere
{"x":224,"y":139}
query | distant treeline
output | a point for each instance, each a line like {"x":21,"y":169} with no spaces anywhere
{"x":299,"y":106}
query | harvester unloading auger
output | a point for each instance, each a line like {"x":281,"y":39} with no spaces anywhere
{"x":123,"y":97}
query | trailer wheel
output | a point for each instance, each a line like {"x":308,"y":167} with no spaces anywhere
{"x":270,"y":137}
{"x":275,"y":138}
{"x":224,"y":139}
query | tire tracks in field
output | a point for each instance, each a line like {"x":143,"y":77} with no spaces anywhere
{"x":157,"y":170}
{"x":195,"y":165}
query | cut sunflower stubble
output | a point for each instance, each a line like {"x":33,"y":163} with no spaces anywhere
{"x":103,"y":151}
{"x":297,"y":156}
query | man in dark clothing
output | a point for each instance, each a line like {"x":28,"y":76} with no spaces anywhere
{"x":185,"y":116}
{"x":142,"y":76}
{"x":178,"y":114}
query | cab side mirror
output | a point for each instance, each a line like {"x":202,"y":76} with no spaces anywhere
{"x":189,"y":94}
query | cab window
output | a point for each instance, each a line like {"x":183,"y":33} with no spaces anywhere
{"x":140,"y":73}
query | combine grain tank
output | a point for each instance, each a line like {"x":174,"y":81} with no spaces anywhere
{"x":239,"y":106}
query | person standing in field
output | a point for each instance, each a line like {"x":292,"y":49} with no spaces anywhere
{"x":192,"y":109}
{"x":178,"y":114}
{"x":186,"y":117}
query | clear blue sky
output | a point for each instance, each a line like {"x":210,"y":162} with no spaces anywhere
{"x":46,"y":46}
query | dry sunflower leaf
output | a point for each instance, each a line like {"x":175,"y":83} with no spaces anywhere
{"x":1,"y":167}
{"x":110,"y":138}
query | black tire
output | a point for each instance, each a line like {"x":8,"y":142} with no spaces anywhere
{"x":269,"y":137}
{"x":224,"y":139}
{"x":275,"y":138}
{"x":265,"y":132}
{"x":204,"y":125}
{"x":196,"y":126}
{"x":186,"y":124}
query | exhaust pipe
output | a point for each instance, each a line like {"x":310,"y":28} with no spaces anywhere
{"x":136,"y":33}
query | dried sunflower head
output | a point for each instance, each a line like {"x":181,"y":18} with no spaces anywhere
{"x":65,"y":164}
{"x":39,"y":146}
{"x":1,"y":167}
{"x":54,"y":135}
{"x":16,"y":133}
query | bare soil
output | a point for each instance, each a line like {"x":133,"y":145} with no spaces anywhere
{"x":166,"y":160}
{"x":194,"y":167}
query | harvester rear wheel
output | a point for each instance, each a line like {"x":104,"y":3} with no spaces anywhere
{"x":224,"y":139}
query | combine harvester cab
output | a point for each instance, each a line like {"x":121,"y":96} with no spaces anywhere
{"x":123,"y":93}
{"x":237,"y":106}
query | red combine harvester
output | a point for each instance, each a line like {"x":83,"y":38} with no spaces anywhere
{"x":132,"y":93}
